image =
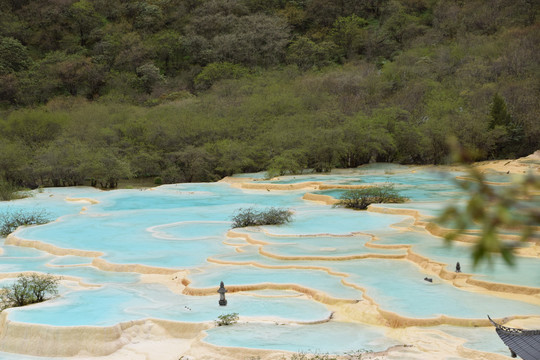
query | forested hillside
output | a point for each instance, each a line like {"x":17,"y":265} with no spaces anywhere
{"x":93,"y":91}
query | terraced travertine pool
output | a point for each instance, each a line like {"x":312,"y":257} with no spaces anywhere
{"x":333,"y":280}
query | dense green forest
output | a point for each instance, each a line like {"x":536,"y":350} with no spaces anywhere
{"x":94,"y":91}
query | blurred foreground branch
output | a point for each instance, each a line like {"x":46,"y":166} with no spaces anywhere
{"x":496,"y":209}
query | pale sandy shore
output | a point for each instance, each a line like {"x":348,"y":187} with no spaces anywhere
{"x":153,"y":339}
{"x":519,"y":166}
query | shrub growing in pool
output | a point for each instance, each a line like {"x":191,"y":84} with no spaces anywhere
{"x":360,"y":199}
{"x":28,"y":289}
{"x":227,"y":319}
{"x":252,"y":217}
{"x":351,"y":355}
{"x":8,"y":191}
{"x":11,"y":220}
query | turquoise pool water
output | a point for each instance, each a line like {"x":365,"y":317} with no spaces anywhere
{"x":521,"y":273}
{"x":331,"y":337}
{"x":401,"y":289}
{"x":116,"y":303}
{"x":185,"y":226}
{"x":482,"y":339}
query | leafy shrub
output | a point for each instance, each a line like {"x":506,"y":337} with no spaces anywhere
{"x":217,"y":71}
{"x":158,"y":181}
{"x":496,"y":209}
{"x":10,"y":221}
{"x":352,"y":355}
{"x":28,"y":289}
{"x":360,"y":199}
{"x":10,"y":192}
{"x":148,"y":76}
{"x":306,"y":356}
{"x":358,"y":354}
{"x":289,"y":162}
{"x":227,"y":319}
{"x":252,"y":217}
{"x":175,"y":96}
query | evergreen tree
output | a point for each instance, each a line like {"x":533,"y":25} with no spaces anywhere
{"x":499,"y":113}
